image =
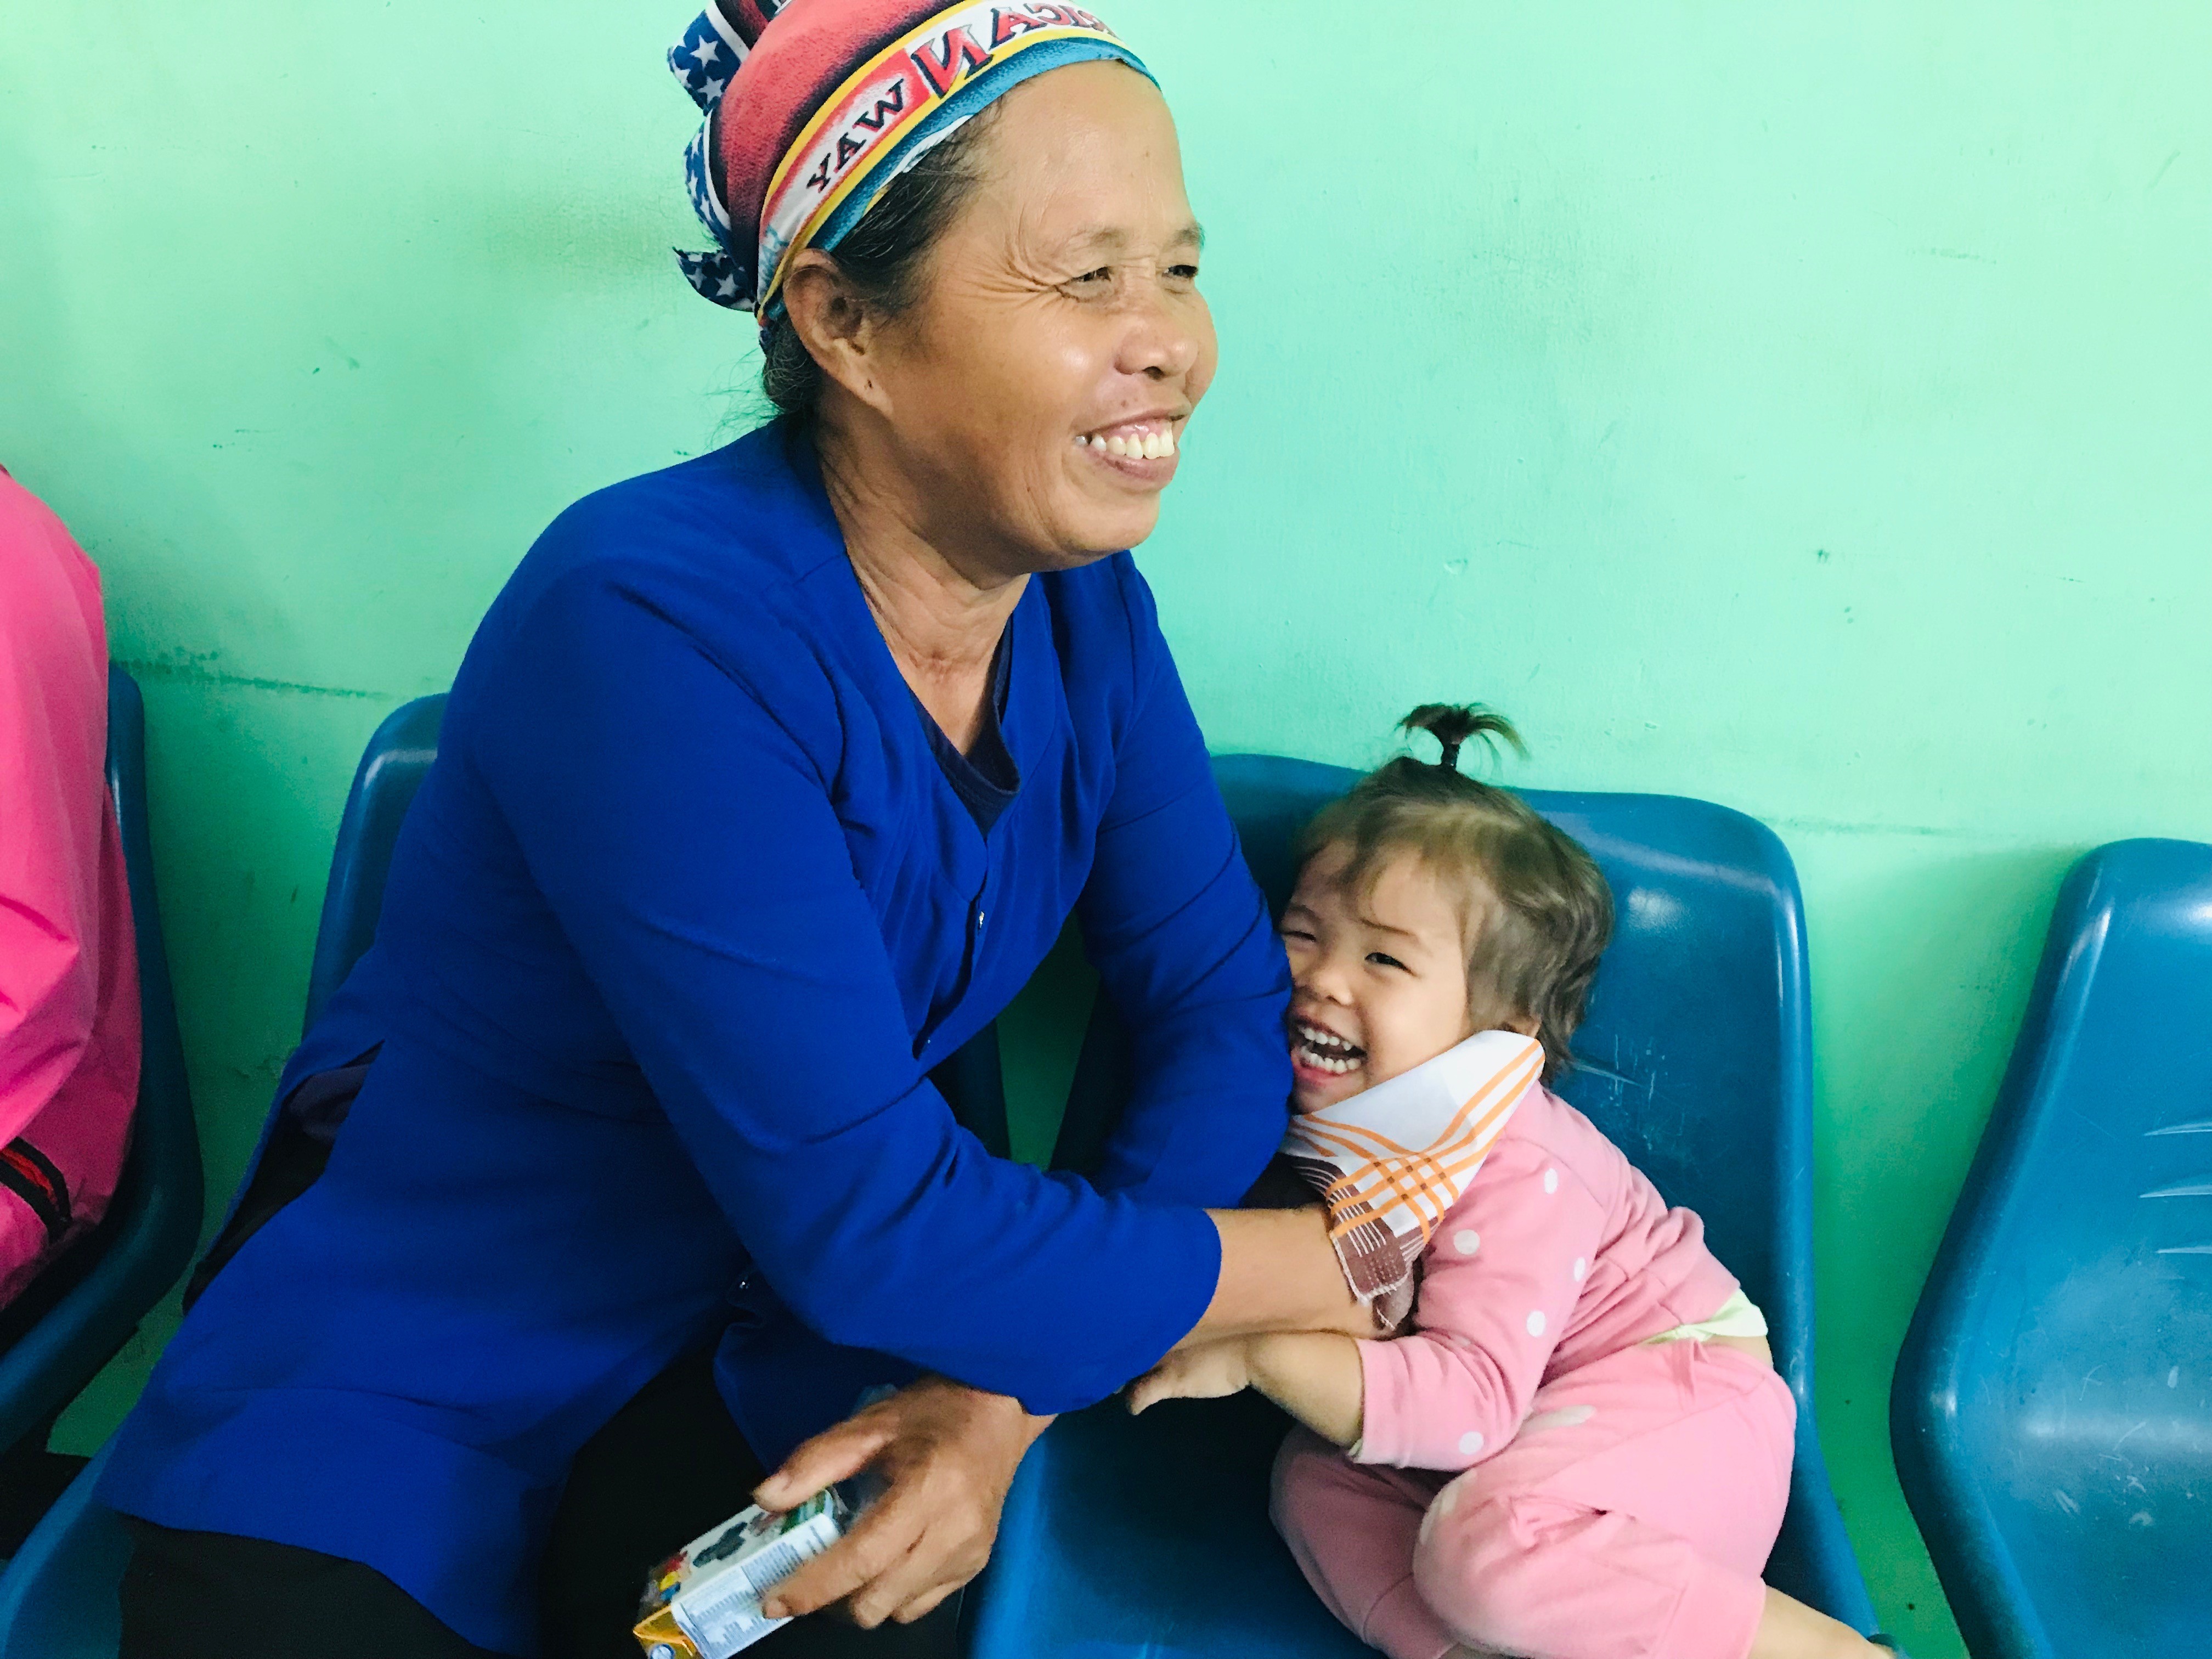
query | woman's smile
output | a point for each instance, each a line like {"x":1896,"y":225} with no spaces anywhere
{"x":1146,"y":448}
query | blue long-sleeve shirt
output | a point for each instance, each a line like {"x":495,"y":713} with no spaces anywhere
{"x":684,"y":911}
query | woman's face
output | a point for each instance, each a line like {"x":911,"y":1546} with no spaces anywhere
{"x":1060,"y":322}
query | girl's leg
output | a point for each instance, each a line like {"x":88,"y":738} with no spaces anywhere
{"x":1631,"y":1516}
{"x":1353,"y":1529}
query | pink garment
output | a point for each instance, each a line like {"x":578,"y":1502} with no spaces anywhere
{"x":1558,"y":1253}
{"x":1621,"y":1498}
{"x":1629,"y":1518}
{"x":69,"y":963}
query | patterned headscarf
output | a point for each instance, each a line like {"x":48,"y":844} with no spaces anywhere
{"x":813,"y":107}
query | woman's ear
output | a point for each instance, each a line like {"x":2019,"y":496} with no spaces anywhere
{"x":840,"y":331}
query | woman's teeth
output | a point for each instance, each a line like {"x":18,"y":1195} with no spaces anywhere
{"x":1324,"y":1050}
{"x":1146,"y":446}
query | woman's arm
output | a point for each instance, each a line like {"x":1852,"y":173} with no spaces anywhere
{"x":1279,"y":1272}
{"x":1493,"y":1304}
{"x":1185,"y":949}
{"x":685,"y":841}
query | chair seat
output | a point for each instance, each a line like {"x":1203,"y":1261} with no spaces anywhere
{"x":57,"y":1600}
{"x":1176,"y":1502}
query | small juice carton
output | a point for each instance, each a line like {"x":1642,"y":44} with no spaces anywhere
{"x":704,"y":1602}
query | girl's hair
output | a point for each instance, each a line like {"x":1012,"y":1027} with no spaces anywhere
{"x":1536,"y":912}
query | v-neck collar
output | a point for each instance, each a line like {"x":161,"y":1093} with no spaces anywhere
{"x":1029,"y":720}
{"x":986,"y":779}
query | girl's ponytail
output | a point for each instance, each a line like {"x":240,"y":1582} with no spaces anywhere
{"x":1535,"y":910}
{"x":1452,"y":724}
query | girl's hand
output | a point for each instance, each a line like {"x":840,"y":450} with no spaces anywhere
{"x":1204,"y":1371}
{"x":1316,"y":1376}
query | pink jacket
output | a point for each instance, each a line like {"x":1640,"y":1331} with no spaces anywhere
{"x":69,"y":964}
{"x":1559,"y":1253}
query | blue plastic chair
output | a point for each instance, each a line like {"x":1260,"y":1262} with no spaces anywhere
{"x":88,"y":1305}
{"x":57,"y":1598}
{"x":1151,"y":1537}
{"x":2052,"y":1410}
{"x":392,"y":770}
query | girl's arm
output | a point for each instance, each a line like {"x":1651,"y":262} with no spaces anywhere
{"x":1314,"y":1376}
{"x":1495,"y":1299}
{"x":1503,"y":1273}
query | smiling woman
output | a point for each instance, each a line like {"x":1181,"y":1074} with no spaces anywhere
{"x":1007,"y":397}
{"x":825,"y":736}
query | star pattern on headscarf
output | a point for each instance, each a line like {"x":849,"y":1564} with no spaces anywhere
{"x":723,"y":275}
{"x":716,"y":277}
{"x":704,"y":57}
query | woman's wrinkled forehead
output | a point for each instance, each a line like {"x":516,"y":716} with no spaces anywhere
{"x":1084,"y":169}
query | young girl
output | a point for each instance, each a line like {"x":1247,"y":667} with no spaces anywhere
{"x":1579,"y":1447}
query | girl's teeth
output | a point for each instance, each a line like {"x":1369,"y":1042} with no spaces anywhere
{"x":1326,"y":1052}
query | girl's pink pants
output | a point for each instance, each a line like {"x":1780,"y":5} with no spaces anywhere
{"x":1630,"y":1518}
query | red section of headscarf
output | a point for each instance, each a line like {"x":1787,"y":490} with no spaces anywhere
{"x":748,"y":17}
{"x":803,"y":55}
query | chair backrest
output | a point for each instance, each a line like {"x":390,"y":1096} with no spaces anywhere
{"x":392,"y":770}
{"x":162,"y":1171}
{"x":75,"y":1315}
{"x":2052,"y":1409}
{"x":1696,"y":1056}
{"x":1696,"y":1059}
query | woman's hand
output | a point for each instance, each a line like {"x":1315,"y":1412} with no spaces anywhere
{"x":1205,"y":1370}
{"x":946,"y":1454}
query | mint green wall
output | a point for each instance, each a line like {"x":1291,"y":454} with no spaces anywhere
{"x":1801,"y":407}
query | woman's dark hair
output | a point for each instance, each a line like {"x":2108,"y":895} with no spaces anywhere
{"x":1536,"y":912}
{"x":882,"y":256}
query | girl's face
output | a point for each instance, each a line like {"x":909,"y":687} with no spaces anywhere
{"x":1380,"y":979}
